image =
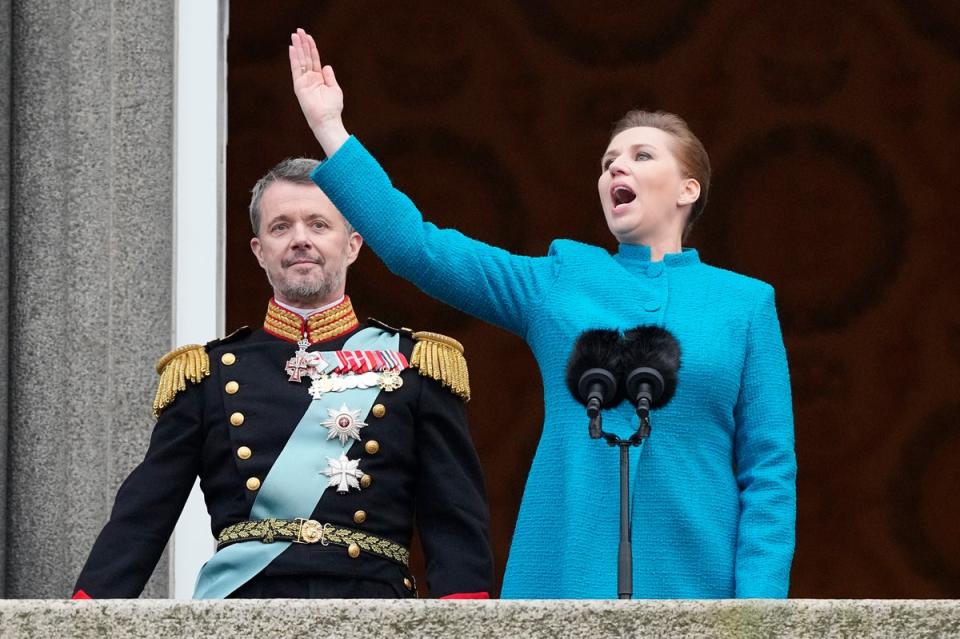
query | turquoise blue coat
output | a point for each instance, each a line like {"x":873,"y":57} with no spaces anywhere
{"x":713,"y":489}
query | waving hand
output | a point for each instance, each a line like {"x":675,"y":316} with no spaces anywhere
{"x":316,"y":88}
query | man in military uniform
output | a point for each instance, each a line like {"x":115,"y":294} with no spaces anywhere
{"x":317,"y":441}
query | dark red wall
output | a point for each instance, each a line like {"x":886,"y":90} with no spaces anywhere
{"x":832,"y":127}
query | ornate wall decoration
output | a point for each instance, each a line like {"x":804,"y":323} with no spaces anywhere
{"x":617,"y":34}
{"x":828,"y":203}
{"x":925,"y":510}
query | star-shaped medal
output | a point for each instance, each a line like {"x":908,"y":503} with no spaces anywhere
{"x":343,"y":423}
{"x":343,"y":473}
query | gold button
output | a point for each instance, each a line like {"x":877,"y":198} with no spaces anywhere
{"x":228,"y":359}
{"x":231,"y":387}
{"x":365,"y":481}
{"x":372,"y":447}
{"x":244,"y":452}
{"x":379,"y":410}
{"x":359,"y":517}
{"x":353,"y":550}
{"x":236,"y":419}
{"x":253,"y":484}
{"x":408,"y":583}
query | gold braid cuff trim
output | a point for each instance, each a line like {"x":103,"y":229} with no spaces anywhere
{"x":441,"y":358}
{"x":175,"y":368}
{"x":308,"y":531}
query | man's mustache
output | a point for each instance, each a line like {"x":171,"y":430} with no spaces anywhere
{"x":300,"y":257}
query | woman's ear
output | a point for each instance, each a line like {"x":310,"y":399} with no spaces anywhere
{"x":689,"y":192}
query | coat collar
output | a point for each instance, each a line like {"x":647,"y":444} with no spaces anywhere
{"x":319,"y":327}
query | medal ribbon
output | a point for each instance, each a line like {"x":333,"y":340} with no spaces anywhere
{"x":343,"y":362}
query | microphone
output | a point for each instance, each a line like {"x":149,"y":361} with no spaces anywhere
{"x":592,"y":373}
{"x":650,"y":358}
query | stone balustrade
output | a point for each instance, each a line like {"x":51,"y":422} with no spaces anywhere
{"x":373,"y":619}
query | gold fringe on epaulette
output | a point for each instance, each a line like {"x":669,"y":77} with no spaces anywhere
{"x":441,"y":358}
{"x":175,"y":368}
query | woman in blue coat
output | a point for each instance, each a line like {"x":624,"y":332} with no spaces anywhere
{"x":713,"y":495}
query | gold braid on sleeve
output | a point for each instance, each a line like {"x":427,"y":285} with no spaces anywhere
{"x":441,"y":358}
{"x":175,"y":368}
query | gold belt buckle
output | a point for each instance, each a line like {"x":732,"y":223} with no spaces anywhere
{"x":311,"y":531}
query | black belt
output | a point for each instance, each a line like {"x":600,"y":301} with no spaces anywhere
{"x":310,"y":531}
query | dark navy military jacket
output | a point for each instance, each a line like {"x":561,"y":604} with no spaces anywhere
{"x":424,"y":470}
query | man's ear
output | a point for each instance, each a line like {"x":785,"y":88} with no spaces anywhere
{"x":353,"y":247}
{"x":689,"y":192}
{"x":257,"y":249}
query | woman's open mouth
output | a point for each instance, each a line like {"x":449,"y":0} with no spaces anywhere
{"x":622,"y":196}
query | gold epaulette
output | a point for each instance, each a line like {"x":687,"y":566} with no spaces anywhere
{"x":441,"y":358}
{"x":175,"y":368}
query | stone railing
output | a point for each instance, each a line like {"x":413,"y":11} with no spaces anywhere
{"x":371,"y":619}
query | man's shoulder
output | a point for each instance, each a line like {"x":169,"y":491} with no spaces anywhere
{"x":433,"y":355}
{"x":188,"y":363}
{"x":236,"y":336}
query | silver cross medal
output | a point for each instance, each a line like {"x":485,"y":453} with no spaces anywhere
{"x":299,"y":363}
{"x":343,"y":473}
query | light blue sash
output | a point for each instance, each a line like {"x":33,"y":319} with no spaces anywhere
{"x":295,"y":482}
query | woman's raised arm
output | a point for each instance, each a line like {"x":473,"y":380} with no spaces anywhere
{"x":477,"y":278}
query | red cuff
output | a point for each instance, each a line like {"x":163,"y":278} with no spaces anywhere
{"x":80,"y":594}
{"x":467,"y":595}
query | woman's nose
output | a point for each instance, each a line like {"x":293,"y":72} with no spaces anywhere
{"x":616,"y":166}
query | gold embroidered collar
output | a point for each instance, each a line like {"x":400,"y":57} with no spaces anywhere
{"x":319,"y":327}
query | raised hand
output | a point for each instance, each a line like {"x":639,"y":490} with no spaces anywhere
{"x":316,"y":88}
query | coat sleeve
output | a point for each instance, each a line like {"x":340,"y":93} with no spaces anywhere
{"x":147,"y":504}
{"x":452,"y":515}
{"x":765,"y":460}
{"x":483,"y":280}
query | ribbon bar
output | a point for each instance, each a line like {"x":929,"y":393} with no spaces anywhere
{"x":366,"y":361}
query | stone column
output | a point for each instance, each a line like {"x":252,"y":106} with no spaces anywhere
{"x":90,"y":270}
{"x":5,"y":97}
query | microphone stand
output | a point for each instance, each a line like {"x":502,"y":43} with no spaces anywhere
{"x":625,"y":548}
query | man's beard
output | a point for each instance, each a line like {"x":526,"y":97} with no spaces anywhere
{"x":309,"y":290}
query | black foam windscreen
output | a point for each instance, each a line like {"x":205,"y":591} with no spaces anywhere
{"x":596,"y":348}
{"x":652,"y":347}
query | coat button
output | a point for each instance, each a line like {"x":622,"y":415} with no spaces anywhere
{"x":353,"y":550}
{"x":227,"y":359}
{"x":365,"y":481}
{"x":231,"y":387}
{"x":651,"y":306}
{"x":372,"y":447}
{"x":408,"y":583}
{"x":237,"y":419}
{"x":244,"y":452}
{"x":253,"y":484}
{"x":359,"y":517}
{"x":379,"y":410}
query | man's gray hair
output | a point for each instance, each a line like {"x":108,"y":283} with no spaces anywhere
{"x":295,"y":170}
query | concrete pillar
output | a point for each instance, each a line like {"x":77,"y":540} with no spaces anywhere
{"x":90,"y":270}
